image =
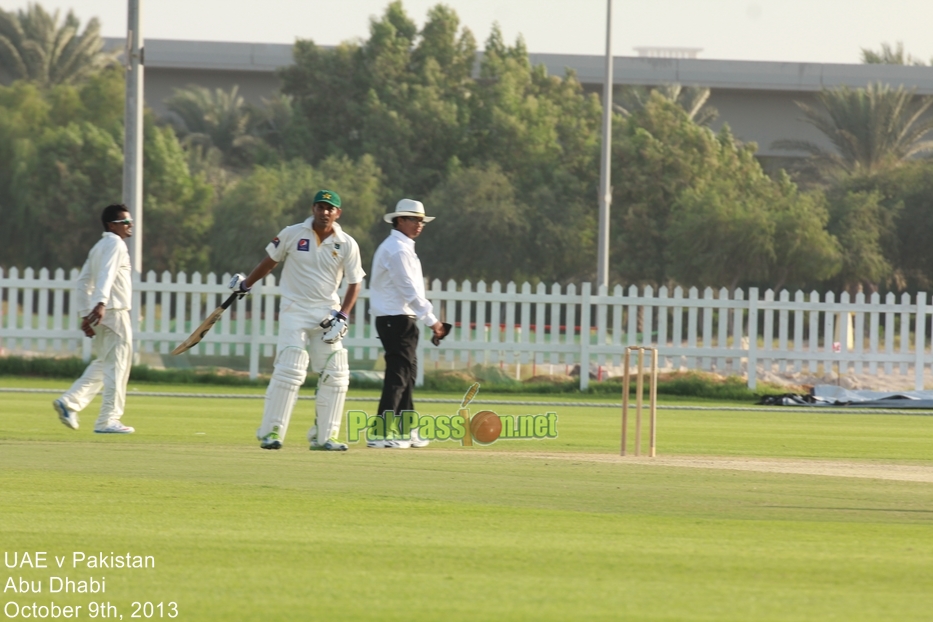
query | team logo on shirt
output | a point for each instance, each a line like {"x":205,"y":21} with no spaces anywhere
{"x":304,"y":244}
{"x":275,"y":242}
{"x":336,"y":247}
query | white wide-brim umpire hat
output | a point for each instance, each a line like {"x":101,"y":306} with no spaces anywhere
{"x":408,"y":207}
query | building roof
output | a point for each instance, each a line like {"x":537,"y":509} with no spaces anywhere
{"x":211,"y":55}
{"x":744,"y":75}
{"x":724,"y":74}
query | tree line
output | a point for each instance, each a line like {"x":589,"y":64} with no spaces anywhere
{"x":505,"y":155}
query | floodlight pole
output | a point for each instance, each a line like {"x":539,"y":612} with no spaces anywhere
{"x":605,"y":169}
{"x":133,"y":134}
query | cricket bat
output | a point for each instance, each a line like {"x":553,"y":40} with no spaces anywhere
{"x":205,"y":327}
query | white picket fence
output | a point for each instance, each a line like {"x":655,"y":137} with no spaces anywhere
{"x":546,"y":327}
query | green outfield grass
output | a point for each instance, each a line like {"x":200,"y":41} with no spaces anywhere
{"x":513,"y":531}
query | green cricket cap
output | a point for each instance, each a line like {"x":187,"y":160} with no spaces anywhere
{"x":327,"y":196}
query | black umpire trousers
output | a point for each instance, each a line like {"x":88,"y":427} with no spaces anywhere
{"x":399,"y":337}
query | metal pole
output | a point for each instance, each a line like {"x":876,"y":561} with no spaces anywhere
{"x":133,"y":134}
{"x":605,"y":171}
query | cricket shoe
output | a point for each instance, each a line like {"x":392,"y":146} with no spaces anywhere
{"x":270,"y":441}
{"x":67,"y":417}
{"x":115,"y":427}
{"x":388,"y":443}
{"x":331,"y":444}
{"x":416,"y":441}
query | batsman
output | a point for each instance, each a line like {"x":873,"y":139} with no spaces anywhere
{"x":317,"y":255}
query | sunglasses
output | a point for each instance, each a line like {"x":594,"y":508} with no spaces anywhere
{"x":125,"y":221}
{"x":412,"y":219}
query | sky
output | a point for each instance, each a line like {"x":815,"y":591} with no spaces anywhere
{"x":820,"y":31}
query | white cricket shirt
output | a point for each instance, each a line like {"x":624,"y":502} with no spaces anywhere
{"x":397,"y":283}
{"x":313,"y":272}
{"x":106,"y":276}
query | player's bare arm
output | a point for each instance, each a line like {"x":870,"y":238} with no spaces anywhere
{"x":241,"y":284}
{"x":336,"y":326}
{"x":262,"y":269}
{"x":349,"y":299}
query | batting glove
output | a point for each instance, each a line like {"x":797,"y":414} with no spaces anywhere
{"x":238,"y":284}
{"x":335,"y":327}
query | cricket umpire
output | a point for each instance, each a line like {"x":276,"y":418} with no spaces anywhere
{"x":398,"y":302}
{"x":318,"y":254}
{"x":103,"y":298}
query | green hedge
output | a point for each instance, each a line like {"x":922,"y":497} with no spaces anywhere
{"x":492,"y":380}
{"x":73,"y":367}
{"x":41,"y":367}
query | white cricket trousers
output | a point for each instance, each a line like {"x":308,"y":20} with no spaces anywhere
{"x":112,"y":345}
{"x":299,"y":328}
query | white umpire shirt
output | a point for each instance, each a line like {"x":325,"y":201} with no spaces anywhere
{"x":397,"y":283}
{"x":314,"y":271}
{"x":106,"y":276}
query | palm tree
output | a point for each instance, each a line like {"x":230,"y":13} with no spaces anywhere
{"x":691,"y":99}
{"x":871,"y":129}
{"x":889,"y":56}
{"x":219,"y":119}
{"x":272,"y":122}
{"x":33,"y":46}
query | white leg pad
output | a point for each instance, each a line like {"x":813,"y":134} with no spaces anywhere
{"x":291,"y":368}
{"x":331,"y":395}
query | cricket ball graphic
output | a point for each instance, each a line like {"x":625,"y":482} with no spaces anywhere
{"x":485,"y":426}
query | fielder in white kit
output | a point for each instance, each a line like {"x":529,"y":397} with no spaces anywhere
{"x":317,"y":255}
{"x":103,"y":299}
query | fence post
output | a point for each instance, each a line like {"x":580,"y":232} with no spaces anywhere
{"x":920,"y":340}
{"x":433,"y":290}
{"x":11,"y":309}
{"x":421,"y":354}
{"x":585,"y":338}
{"x":134,"y":315}
{"x":254,"y":326}
{"x":752,"y":338}
{"x":86,"y":349}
